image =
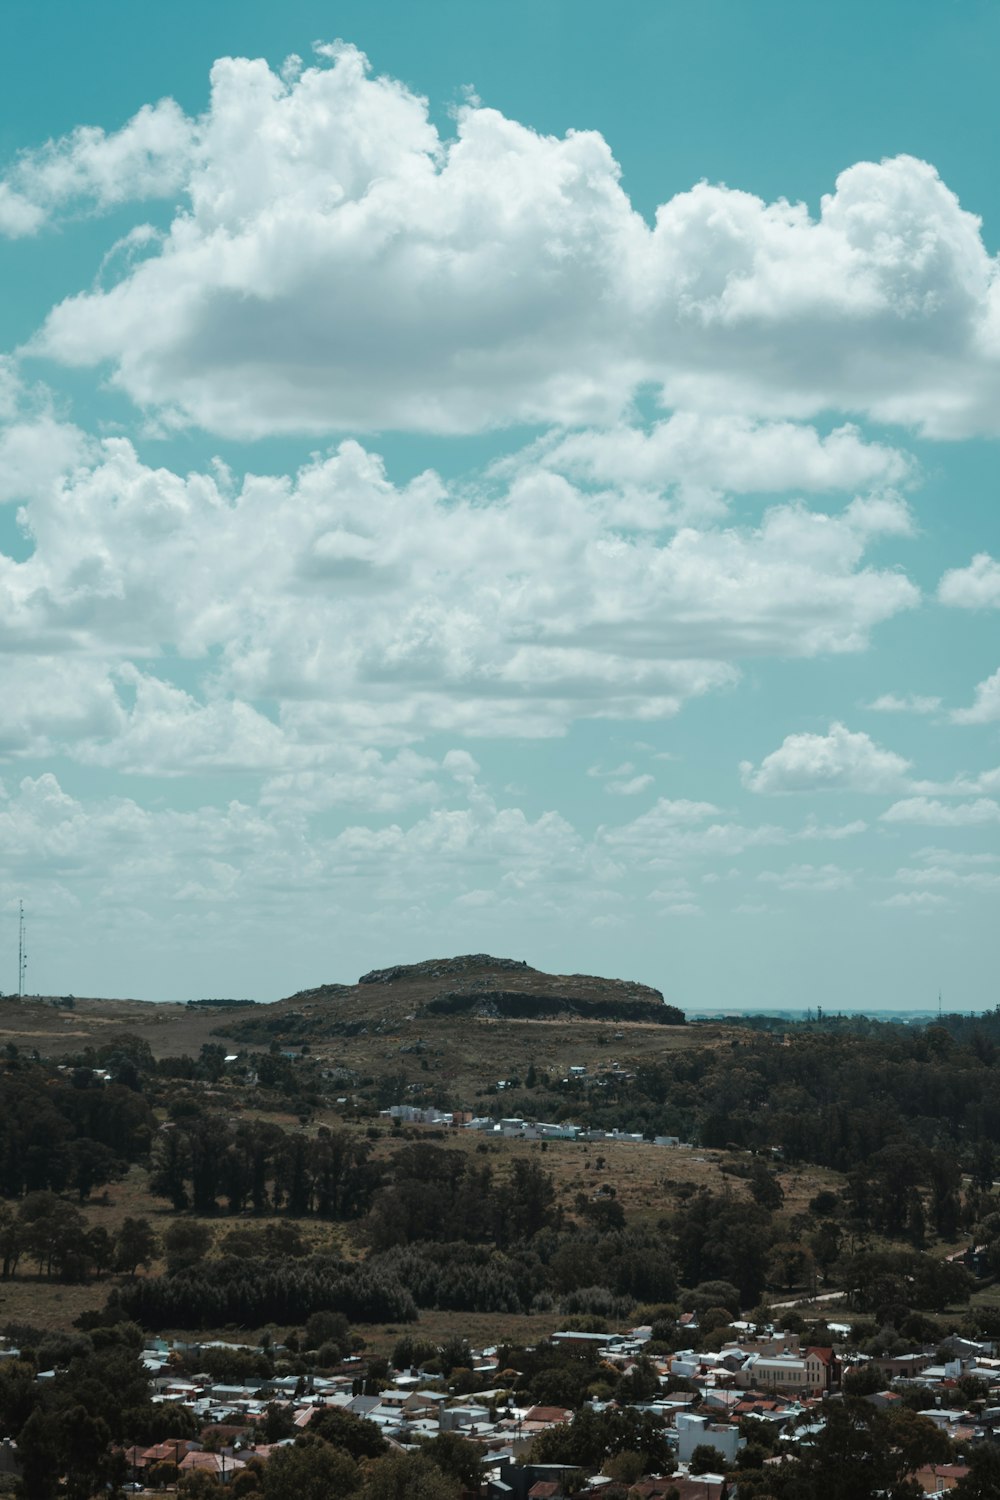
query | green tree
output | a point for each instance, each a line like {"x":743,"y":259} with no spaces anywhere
{"x":170,"y":1166}
{"x":456,"y":1457}
{"x":707,"y":1460}
{"x":862,"y":1452}
{"x":39,"y":1450}
{"x":186,"y":1242}
{"x":310,"y":1469}
{"x":355,"y":1435}
{"x":85,"y":1443}
{"x":408,"y":1476}
{"x":983,"y":1479}
{"x":53,"y":1231}
{"x":136,"y":1245}
{"x":92,"y":1164}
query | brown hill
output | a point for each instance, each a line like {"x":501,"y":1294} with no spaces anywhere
{"x":476,"y":985}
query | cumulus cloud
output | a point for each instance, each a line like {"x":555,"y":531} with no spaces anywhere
{"x":704,"y":456}
{"x":333,"y":605}
{"x":89,"y":169}
{"x":946,"y":870}
{"x":629,"y":786}
{"x":680,"y":829}
{"x":340,"y":265}
{"x":955,"y":858}
{"x":48,"y":701}
{"x":910,"y":703}
{"x":918,"y":900}
{"x":130,"y":857}
{"x":838,"y":761}
{"x":986,"y":707}
{"x":808,"y":878}
{"x":974,"y":587}
{"x":935,"y":814}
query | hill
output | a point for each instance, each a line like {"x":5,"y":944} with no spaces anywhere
{"x":474,"y":985}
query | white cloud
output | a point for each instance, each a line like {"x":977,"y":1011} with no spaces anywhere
{"x":911,"y":703}
{"x":950,"y":872}
{"x":986,"y":707}
{"x":34,"y":453}
{"x":934,"y":814}
{"x":974,"y":587}
{"x":150,"y":157}
{"x":668,"y":832}
{"x":835,"y":831}
{"x":332,"y":605}
{"x":680,"y":909}
{"x":629,"y":787}
{"x":704,"y":456}
{"x":117,"y":855}
{"x":808,"y":878}
{"x":339,"y":265}
{"x":18,"y":215}
{"x":956,"y":858}
{"x":838,"y":761}
{"x":48,"y":700}
{"x":919,"y":900}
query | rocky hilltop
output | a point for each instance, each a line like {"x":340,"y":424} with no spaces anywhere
{"x":474,"y":985}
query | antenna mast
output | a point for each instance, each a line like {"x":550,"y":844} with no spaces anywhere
{"x":22,"y":952}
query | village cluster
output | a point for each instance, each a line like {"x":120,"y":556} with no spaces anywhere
{"x":514,"y":1127}
{"x":762,"y":1375}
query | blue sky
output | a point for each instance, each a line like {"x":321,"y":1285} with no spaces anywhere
{"x":523,"y":479}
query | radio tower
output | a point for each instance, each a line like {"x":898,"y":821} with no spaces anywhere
{"x":22,"y":952}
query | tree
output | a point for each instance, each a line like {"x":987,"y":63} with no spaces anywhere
{"x":92,"y":1164}
{"x":170,"y":1166}
{"x":408,"y":1476}
{"x":186,"y":1242}
{"x":53,"y":1231}
{"x":626,"y":1467}
{"x":791,"y":1264}
{"x":707,"y":1460}
{"x":40,"y":1452}
{"x":825,"y":1245}
{"x":765,"y":1188}
{"x":864,"y":1380}
{"x":309,"y":1469}
{"x":862,"y":1452}
{"x":983,"y":1479}
{"x":11,"y":1241}
{"x":326,"y":1327}
{"x":18,"y":1394}
{"x":355,"y":1435}
{"x":100,"y":1249}
{"x":455,"y":1456}
{"x":136,"y":1245}
{"x":196,"y":1484}
{"x":85,"y":1444}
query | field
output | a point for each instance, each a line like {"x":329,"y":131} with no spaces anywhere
{"x":384,"y":1030}
{"x":463,"y":1058}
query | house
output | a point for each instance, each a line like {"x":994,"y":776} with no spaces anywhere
{"x":546,"y":1416}
{"x":572,"y":1339}
{"x":804,"y":1374}
{"x":693,"y":1430}
{"x":220,"y":1465}
{"x":937,"y":1479}
{"x":700,"y":1487}
{"x":173,"y":1451}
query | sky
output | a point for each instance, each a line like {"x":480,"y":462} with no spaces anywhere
{"x":507,"y":478}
